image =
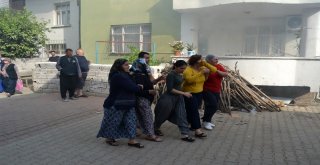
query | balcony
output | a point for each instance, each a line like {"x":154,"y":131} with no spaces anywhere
{"x":181,"y":5}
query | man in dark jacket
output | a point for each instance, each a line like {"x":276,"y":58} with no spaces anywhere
{"x":69,"y":68}
{"x":84,"y":67}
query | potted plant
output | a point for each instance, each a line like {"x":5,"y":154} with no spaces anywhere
{"x":177,"y":46}
{"x":190,"y":49}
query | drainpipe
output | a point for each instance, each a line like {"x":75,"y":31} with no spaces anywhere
{"x":79,"y":6}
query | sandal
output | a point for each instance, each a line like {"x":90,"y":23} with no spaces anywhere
{"x":200,"y":135}
{"x":155,"y":139}
{"x":137,"y":145}
{"x":188,"y":139}
{"x":112,"y":142}
{"x":158,"y":132}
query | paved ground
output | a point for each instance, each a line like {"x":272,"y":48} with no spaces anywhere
{"x":40,"y":129}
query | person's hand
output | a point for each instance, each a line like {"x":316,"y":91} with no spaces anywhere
{"x":205,"y":71}
{"x":187,"y":94}
{"x":141,"y":86}
{"x":152,"y":92}
{"x":202,"y":62}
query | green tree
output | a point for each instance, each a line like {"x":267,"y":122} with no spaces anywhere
{"x":21,"y":34}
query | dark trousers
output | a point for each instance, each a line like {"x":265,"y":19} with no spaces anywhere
{"x":81,"y":81}
{"x":9,"y":85}
{"x":171,"y":107}
{"x":211,"y":100}
{"x":67,"y":83}
{"x":192,"y":108}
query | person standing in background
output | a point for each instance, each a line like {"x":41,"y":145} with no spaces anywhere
{"x":70,"y":72}
{"x":53,"y":57}
{"x":84,"y":67}
{"x":10,"y":76}
{"x":211,"y":91}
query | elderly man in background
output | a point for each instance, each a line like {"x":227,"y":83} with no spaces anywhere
{"x":211,"y":91}
{"x":84,"y":67}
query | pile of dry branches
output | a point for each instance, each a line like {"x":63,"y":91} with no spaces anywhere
{"x":239,"y":94}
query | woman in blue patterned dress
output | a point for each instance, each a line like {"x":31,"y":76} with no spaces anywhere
{"x":119,"y":119}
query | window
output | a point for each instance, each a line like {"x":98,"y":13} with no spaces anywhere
{"x":59,"y":48}
{"x":125,"y":36}
{"x":63,"y":13}
{"x":264,"y":41}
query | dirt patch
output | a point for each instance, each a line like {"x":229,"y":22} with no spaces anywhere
{"x":307,"y":100}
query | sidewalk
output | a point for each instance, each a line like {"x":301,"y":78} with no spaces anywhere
{"x":41,"y":129}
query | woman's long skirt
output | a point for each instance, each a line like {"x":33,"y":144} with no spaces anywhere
{"x":118,"y":123}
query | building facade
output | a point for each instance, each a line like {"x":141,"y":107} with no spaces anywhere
{"x":275,"y":43}
{"x":109,"y":28}
{"x":63,"y":19}
{"x":13,"y":4}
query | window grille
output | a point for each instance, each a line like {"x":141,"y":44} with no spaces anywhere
{"x":133,"y":35}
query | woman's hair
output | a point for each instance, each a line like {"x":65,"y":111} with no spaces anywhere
{"x":194,"y":59}
{"x":179,"y":63}
{"x":117,"y":67}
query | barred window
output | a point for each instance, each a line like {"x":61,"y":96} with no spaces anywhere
{"x":133,"y":35}
{"x":59,"y":48}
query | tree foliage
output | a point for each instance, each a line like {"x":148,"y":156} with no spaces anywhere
{"x":133,"y":55}
{"x":21,"y":34}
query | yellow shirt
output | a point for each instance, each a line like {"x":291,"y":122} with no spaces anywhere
{"x":194,"y":80}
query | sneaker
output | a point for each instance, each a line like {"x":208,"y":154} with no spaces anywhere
{"x":212,"y":124}
{"x":65,"y":100}
{"x":73,"y":98}
{"x":207,"y":125}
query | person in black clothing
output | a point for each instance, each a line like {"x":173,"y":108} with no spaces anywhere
{"x":1,"y":77}
{"x":69,"y":68}
{"x":84,"y":67}
{"x":10,"y":76}
{"x":119,"y":119}
{"x":53,"y":57}
{"x":142,"y":75}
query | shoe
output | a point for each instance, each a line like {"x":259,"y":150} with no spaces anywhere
{"x":188,"y":139}
{"x":112,"y":142}
{"x":76,"y":96}
{"x":212,"y":124}
{"x":73,"y":98}
{"x":207,"y":125}
{"x":200,"y":135}
{"x":158,"y":132}
{"x":83,"y":96}
{"x":154,"y":139}
{"x":65,"y":100}
{"x":137,"y":145}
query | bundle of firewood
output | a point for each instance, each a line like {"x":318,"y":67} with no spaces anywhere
{"x":239,"y":94}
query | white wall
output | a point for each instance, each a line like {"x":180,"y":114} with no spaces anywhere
{"x":4,"y":3}
{"x":44,"y":10}
{"x":187,"y":4}
{"x":278,"y":71}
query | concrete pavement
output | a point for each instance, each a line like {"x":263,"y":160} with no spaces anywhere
{"x":41,"y":129}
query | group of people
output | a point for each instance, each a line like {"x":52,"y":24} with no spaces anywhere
{"x":9,"y":76}
{"x":128,"y":105}
{"x":73,"y":71}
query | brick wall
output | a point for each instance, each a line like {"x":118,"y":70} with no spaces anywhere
{"x":45,"y":78}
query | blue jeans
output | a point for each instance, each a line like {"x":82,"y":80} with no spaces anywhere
{"x":211,"y":100}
